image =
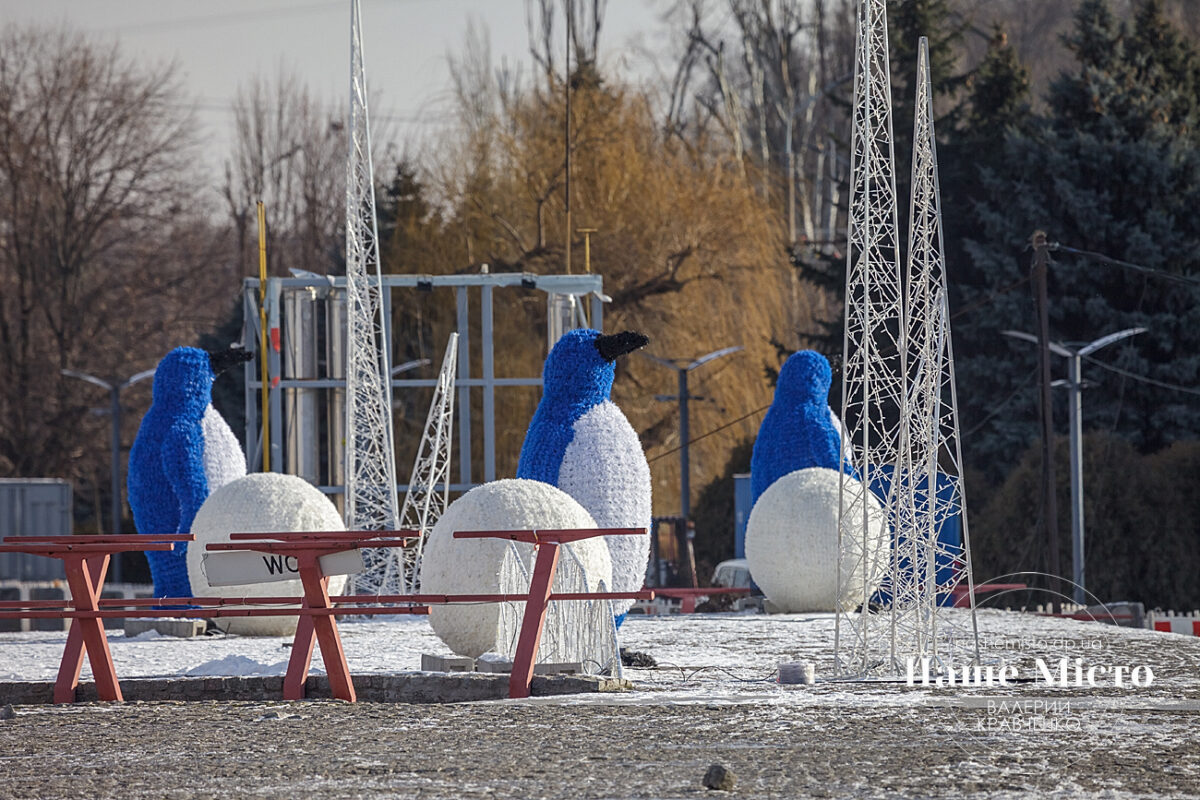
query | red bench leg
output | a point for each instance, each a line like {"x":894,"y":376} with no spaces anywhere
{"x":72,"y":660}
{"x":316,"y":595}
{"x":85,"y":594}
{"x":534,"y":621}
{"x":300,"y":660}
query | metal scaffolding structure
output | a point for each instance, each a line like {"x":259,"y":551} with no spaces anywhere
{"x":424,"y":502}
{"x":874,"y":361}
{"x":306,"y":364}
{"x":370,"y":456}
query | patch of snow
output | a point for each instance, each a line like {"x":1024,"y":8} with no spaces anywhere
{"x":235,"y":666}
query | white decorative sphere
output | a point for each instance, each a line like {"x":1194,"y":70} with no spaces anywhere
{"x":472,"y":566}
{"x":262,"y":502}
{"x":792,"y":541}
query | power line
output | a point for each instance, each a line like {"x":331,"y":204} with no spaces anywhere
{"x":1141,"y":378}
{"x":666,"y":453}
{"x":1002,"y":404}
{"x":1116,"y":262}
{"x":989,"y":299}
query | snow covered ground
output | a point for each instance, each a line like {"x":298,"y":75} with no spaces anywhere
{"x":700,"y":656}
{"x":712,"y":699}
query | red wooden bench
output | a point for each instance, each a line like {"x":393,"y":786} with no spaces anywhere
{"x":86,"y":561}
{"x":87,"y":558}
{"x":687,"y":596}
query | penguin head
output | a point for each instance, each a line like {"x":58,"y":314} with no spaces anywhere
{"x":183,"y":382}
{"x":221,"y":360}
{"x":804,"y":378}
{"x":580,"y":367}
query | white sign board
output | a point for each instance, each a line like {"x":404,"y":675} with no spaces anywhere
{"x":235,"y":568}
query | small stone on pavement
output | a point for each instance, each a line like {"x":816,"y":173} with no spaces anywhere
{"x":718,"y":778}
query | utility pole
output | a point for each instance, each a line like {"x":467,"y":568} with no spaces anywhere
{"x":567,"y":88}
{"x":587,"y":247}
{"x":1041,"y":262}
{"x":682,"y":368}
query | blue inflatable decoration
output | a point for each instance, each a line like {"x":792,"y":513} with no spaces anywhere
{"x":579,"y":441}
{"x":798,"y":431}
{"x":178,"y":453}
{"x":946,"y":509}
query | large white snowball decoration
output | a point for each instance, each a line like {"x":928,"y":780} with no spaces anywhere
{"x":792,"y":542}
{"x":473,"y":566}
{"x":262,"y":502}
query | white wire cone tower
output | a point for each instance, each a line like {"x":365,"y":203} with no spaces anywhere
{"x":929,"y":432}
{"x":913,"y":623}
{"x":873,"y":363}
{"x":424,"y":502}
{"x":370,"y":455}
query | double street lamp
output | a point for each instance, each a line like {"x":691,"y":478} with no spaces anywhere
{"x":682,"y":368}
{"x":1074,"y":384}
{"x":114,"y":388}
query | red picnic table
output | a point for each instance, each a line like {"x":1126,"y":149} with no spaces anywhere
{"x":545,"y":544}
{"x":85,"y":560}
{"x":317,"y":624}
{"x":687,"y":596}
{"x":317,"y":612}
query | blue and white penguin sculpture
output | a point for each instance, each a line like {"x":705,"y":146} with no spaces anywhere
{"x":183,"y":452}
{"x":799,"y":430}
{"x":579,"y":441}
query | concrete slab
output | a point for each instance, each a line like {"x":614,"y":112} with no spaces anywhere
{"x":431,"y":663}
{"x":505,"y":667}
{"x":179,"y":627}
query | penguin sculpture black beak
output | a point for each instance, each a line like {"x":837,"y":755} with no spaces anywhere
{"x":618,"y":344}
{"x":221,"y":360}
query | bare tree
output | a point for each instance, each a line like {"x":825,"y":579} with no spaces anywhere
{"x":289,"y":152}
{"x":771,"y":92}
{"x":106,"y":260}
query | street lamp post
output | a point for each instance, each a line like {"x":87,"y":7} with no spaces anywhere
{"x":682,"y":368}
{"x":114,"y":388}
{"x":1074,"y":384}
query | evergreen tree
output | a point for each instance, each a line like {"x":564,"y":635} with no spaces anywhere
{"x":1115,"y":169}
{"x":998,"y":94}
{"x":908,"y":21}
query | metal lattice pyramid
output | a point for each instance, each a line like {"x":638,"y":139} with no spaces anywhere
{"x":874,"y":355}
{"x":922,"y":487}
{"x":927,"y":567}
{"x":424,"y":502}
{"x":370,"y":455}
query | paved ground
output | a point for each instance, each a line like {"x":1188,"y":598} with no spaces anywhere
{"x":598,"y":749}
{"x":835,"y":739}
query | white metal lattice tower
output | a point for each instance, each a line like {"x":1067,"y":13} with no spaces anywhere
{"x":370,"y":455}
{"x":922,"y":571}
{"x":424,"y":502}
{"x":929,"y":440}
{"x":874,"y":358}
